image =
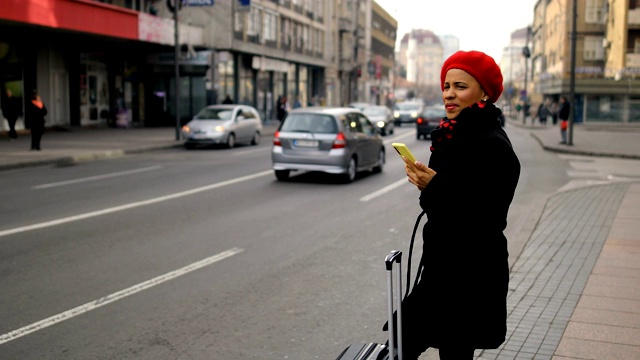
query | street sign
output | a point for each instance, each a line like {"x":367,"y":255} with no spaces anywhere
{"x":198,"y":2}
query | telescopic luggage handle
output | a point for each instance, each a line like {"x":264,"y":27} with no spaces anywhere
{"x":394,"y":256}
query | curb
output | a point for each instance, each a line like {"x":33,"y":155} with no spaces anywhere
{"x":582,"y":152}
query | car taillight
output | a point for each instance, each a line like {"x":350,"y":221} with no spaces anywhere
{"x":419,"y":120}
{"x":339,"y":142}
{"x":276,"y":139}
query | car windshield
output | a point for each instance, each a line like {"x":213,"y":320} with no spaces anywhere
{"x":214,"y":114}
{"x":314,"y":123}
{"x":374,"y":111}
{"x":408,"y":107}
{"x":434,"y":113}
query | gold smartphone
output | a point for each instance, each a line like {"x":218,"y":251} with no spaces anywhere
{"x":403,"y":150}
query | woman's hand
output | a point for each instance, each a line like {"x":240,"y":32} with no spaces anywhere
{"x":418,"y":173}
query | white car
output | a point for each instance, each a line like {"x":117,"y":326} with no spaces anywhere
{"x":223,"y":125}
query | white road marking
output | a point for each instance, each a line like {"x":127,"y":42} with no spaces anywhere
{"x":97,"y":177}
{"x":385,"y":190}
{"x":79,"y":310}
{"x":132,"y":205}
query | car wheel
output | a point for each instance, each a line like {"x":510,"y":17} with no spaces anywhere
{"x":256,"y":138}
{"x":418,"y":136}
{"x":282,"y":175}
{"x":352,"y":170}
{"x":381,"y":160}
{"x":189,"y":146}
{"x":231,"y":141}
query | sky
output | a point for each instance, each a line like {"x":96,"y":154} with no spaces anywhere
{"x":483,"y":25}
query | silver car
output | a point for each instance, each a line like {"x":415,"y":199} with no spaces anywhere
{"x":224,"y":125}
{"x":332,"y":140}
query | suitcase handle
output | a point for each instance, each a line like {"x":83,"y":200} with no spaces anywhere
{"x":394,"y":256}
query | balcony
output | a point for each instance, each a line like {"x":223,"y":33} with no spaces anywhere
{"x":632,"y":60}
{"x":344,"y":24}
{"x":634,"y":18}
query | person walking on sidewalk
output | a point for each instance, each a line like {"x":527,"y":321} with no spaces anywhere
{"x":35,"y":113}
{"x":460,"y":301}
{"x":563,"y":114}
{"x":12,"y":110}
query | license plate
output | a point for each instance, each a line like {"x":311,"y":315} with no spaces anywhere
{"x":305,"y":143}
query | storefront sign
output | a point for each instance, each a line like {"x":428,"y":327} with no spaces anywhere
{"x":267,"y":64}
{"x":198,"y":2}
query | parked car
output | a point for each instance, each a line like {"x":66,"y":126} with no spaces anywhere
{"x":381,"y":117}
{"x":429,"y":120}
{"x":406,"y":112}
{"x":332,"y":140}
{"x":223,"y":124}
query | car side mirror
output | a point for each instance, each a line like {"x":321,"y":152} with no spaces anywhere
{"x":240,"y":117}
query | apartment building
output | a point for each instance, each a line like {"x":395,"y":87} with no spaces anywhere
{"x":380,"y":42}
{"x":91,"y":60}
{"x":607,"y":57}
{"x":514,"y":66}
{"x":421,"y":54}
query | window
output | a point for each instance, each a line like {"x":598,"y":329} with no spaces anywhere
{"x":594,"y":12}
{"x":269,"y":26}
{"x":593,"y":49}
{"x":254,"y":21}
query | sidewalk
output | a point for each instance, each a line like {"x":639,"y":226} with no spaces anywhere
{"x":574,"y":291}
{"x":67,"y":146}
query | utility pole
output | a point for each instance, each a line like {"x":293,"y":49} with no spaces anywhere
{"x":572,"y":79}
{"x":175,"y":8}
{"x":526,"y":53}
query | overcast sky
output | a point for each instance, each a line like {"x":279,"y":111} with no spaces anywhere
{"x":484,"y":25}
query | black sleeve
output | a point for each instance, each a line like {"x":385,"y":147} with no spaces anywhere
{"x":478,"y":189}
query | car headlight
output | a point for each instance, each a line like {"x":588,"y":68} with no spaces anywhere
{"x":186,"y":129}
{"x":219,"y":128}
{"x":396,"y":114}
{"x":414,"y":114}
{"x":380,"y":124}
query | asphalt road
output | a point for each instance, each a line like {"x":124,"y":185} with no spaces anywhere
{"x":202,"y":254}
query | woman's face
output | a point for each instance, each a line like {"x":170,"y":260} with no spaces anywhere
{"x":461,"y":90}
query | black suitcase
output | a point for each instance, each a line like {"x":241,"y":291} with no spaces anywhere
{"x":377,"y":351}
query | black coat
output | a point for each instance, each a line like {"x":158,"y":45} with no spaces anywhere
{"x":11,"y":107}
{"x":35,"y":116}
{"x":461,"y":297}
{"x":563,"y":114}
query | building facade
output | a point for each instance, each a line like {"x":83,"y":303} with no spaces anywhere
{"x":114,"y":61}
{"x":606,"y":58}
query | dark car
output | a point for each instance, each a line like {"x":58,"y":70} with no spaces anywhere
{"x":429,"y":120}
{"x":332,"y":140}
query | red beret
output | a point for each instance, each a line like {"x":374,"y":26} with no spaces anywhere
{"x":479,"y":65}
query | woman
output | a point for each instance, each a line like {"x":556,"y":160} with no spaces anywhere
{"x":563,"y":114}
{"x":459,"y":304}
{"x":36,"y":112}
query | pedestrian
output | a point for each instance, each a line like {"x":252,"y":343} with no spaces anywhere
{"x":459,"y":303}
{"x":281,"y":109}
{"x":542,"y":114}
{"x":554,"y":112}
{"x":227,"y":100}
{"x":563,"y":114}
{"x":296,"y":103}
{"x":12,"y":110}
{"x":35,"y":113}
